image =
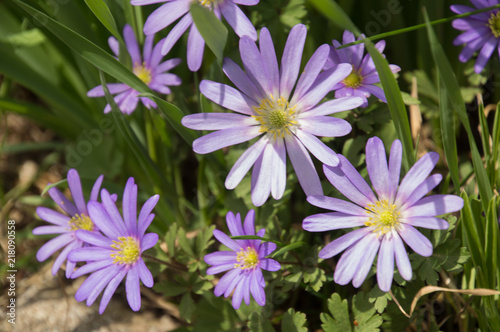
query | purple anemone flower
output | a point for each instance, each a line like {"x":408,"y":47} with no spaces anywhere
{"x":385,"y":219}
{"x":481,"y":32}
{"x":175,"y":9}
{"x":288,"y":123}
{"x":77,"y":218}
{"x":244,"y":263}
{"x":361,"y":81}
{"x":116,"y":252}
{"x":147,"y":67}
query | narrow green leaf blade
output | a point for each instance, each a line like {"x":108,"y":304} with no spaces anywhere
{"x":211,"y":29}
{"x":103,"y":14}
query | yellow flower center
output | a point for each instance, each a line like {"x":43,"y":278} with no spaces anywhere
{"x":142,"y":72}
{"x":275,"y":116}
{"x":247,"y":259}
{"x":207,"y":3}
{"x":494,"y":24}
{"x":81,"y":221}
{"x":126,"y":250}
{"x":383,"y":216}
{"x":354,"y":80}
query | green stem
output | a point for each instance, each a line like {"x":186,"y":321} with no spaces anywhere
{"x":418,"y":26}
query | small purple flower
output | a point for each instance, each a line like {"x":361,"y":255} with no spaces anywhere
{"x":117,"y":253}
{"x":482,"y":32}
{"x":77,"y":218}
{"x":361,"y":81}
{"x":287,"y":122}
{"x":148,"y":68}
{"x":384,"y":219}
{"x":244,"y":263}
{"x":175,"y":9}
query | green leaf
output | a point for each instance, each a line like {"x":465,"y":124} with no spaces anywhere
{"x":211,"y":29}
{"x":339,"y":319}
{"x":30,"y":38}
{"x":202,"y":286}
{"x":103,"y":14}
{"x":470,"y":232}
{"x":288,"y":247}
{"x":184,"y":243}
{"x":314,"y":278}
{"x":47,"y":187}
{"x":167,"y":288}
{"x":170,"y":239}
{"x":294,"y":321}
{"x":448,"y":133}
{"x":491,"y":242}
{"x":451,"y":84}
{"x":255,"y":237}
{"x":365,"y":317}
{"x":186,"y":307}
{"x":256,"y":323}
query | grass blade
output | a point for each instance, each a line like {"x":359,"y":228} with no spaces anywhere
{"x":211,"y":29}
{"x":103,"y":14}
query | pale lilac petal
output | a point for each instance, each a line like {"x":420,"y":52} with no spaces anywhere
{"x":70,"y":266}
{"x":415,"y":176}
{"x":395,"y":158}
{"x":88,"y":285}
{"x":116,"y":218}
{"x":130,"y":206}
{"x":323,"y":222}
{"x":292,"y":56}
{"x":102,"y":220}
{"x":91,"y":267}
{"x":345,"y":241}
{"x":220,"y":268}
{"x":132,"y":288}
{"x":195,"y":48}
{"x":304,"y":167}
{"x":75,"y":187}
{"x":227,"y":97}
{"x":366,"y":262}
{"x":245,"y":162}
{"x":167,"y":65}
{"x":236,"y":280}
{"x":430,"y":183}
{"x":240,"y":79}
{"x":336,"y":204}
{"x":114,"y":45}
{"x":217,"y":121}
{"x":278,"y":169}
{"x":165,"y":15}
{"x":238,"y":293}
{"x":227,"y":241}
{"x":349,"y":262}
{"x":253,"y":64}
{"x":333,"y":106}
{"x":110,"y":289}
{"x":220,"y":258}
{"x":146,"y":211}
{"x":269,"y":264}
{"x":53,"y":245}
{"x":114,"y":88}
{"x":89,"y":254}
{"x":226,"y":137}
{"x":325,"y":126}
{"x":144,"y":225}
{"x":62,"y":201}
{"x":318,"y":148}
{"x":63,"y":256}
{"x":385,"y":264}
{"x":148,"y":48}
{"x":132,"y":46}
{"x":402,"y":260}
{"x":100,"y":284}
{"x":246,"y":291}
{"x":310,"y":72}
{"x":485,"y":54}
{"x":249,"y":223}
{"x":376,"y":91}
{"x":148,"y":241}
{"x":94,"y":194}
{"x":415,"y":240}
{"x":322,"y":86}
{"x":176,"y":33}
{"x":42,"y":230}
{"x":246,"y":2}
{"x":426,"y":222}
{"x":93,"y":238}
{"x":269,"y":60}
{"x":145,"y":2}
{"x":167,"y":79}
{"x":257,"y":291}
{"x":144,"y":273}
{"x":238,"y":20}
{"x":225,"y":281}
{"x":434,"y":205}
{"x":266,"y":248}
{"x":376,"y":164}
{"x":234,"y":224}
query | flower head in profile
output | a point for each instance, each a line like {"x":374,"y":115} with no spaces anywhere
{"x":116,"y":252}
{"x":175,"y":9}
{"x":481,"y":32}
{"x":385,"y":218}
{"x":147,"y":67}
{"x":77,"y":218}
{"x":244,"y":263}
{"x":285,"y":122}
{"x":361,"y":81}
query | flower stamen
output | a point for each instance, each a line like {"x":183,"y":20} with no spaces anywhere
{"x":383,"y":216}
{"x":126,"y":250}
{"x":354,"y":80}
{"x":494,"y":24}
{"x":276,"y":117}
{"x":247,"y":259}
{"x":143,"y":72}
{"x":81,"y":221}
